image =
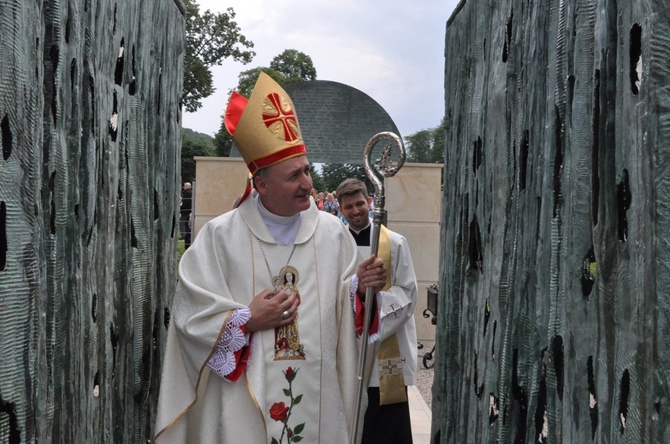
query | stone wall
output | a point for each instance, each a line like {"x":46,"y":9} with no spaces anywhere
{"x":89,"y":119}
{"x":554,"y":270}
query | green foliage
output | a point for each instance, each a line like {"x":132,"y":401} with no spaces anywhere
{"x":196,"y":137}
{"x":248,"y":78}
{"x":294,"y":66}
{"x":223,"y":142}
{"x":210,"y":39}
{"x":419,"y":146}
{"x":317,"y":180}
{"x":291,"y":66}
{"x":193,"y":144}
{"x":335,"y":173}
{"x":427,"y":146}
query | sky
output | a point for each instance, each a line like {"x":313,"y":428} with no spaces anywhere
{"x":387,"y":49}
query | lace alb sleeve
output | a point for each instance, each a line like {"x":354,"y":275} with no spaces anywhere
{"x":225,"y":358}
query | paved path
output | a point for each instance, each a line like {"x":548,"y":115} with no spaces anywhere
{"x":420,"y":416}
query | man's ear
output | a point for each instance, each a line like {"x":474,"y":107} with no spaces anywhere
{"x":369,"y":200}
{"x":260,"y":185}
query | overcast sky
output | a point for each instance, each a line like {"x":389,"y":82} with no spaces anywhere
{"x":392,"y":50}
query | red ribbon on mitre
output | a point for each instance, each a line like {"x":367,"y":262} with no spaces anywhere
{"x":234,"y":111}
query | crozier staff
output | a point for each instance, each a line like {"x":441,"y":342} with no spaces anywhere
{"x":261,"y":343}
{"x":394,"y":393}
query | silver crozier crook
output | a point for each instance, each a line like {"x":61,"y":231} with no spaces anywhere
{"x":383,"y":167}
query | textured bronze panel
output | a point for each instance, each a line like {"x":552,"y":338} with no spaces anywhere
{"x":90,"y":118}
{"x":554,"y":287}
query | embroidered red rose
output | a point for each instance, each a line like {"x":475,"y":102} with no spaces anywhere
{"x":279,"y":411}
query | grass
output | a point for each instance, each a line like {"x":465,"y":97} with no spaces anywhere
{"x":180,"y":249}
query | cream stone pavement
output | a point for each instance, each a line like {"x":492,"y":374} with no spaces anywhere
{"x":420,"y":416}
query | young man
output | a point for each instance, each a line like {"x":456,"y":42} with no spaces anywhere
{"x":387,"y":419}
{"x":262,"y":340}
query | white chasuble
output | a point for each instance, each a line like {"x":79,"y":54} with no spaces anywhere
{"x":310,"y":367}
{"x":291,"y":400}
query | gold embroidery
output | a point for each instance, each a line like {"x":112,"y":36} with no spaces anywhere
{"x":392,"y":382}
{"x":390,"y":367}
{"x":287,"y":337}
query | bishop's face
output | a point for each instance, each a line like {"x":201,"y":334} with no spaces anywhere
{"x":355,"y":210}
{"x":284,"y":187}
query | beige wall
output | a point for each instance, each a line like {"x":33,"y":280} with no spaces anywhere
{"x":218,"y":181}
{"x":413,"y":199}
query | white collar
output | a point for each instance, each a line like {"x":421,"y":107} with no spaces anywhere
{"x":366,"y":227}
{"x":283,"y":228}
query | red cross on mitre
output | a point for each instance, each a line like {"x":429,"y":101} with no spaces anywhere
{"x":280,"y":118}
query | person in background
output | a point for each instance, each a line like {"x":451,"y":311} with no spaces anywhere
{"x":185,"y":206}
{"x":330,"y":205}
{"x":387,"y":419}
{"x":320,"y":199}
{"x":262,"y":340}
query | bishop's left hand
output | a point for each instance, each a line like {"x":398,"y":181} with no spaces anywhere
{"x":371,"y":273}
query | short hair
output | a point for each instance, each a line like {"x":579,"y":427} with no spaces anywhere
{"x":262,"y":173}
{"x":351,"y":187}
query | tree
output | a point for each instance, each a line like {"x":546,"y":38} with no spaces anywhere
{"x":294,"y":66}
{"x":335,"y":173}
{"x":223,"y":142}
{"x":317,"y":180}
{"x":247,"y":79}
{"x":291,"y":66}
{"x":210,"y":39}
{"x":427,"y":146}
{"x":190,"y":148}
{"x":419,"y":146}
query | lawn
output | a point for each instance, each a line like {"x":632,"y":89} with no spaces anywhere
{"x":180,"y":249}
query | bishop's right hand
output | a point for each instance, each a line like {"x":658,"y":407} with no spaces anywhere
{"x":270,"y":310}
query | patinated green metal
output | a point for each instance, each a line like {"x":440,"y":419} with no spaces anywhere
{"x":89,"y":120}
{"x":555,"y":281}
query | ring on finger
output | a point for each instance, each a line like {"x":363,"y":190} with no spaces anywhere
{"x":286,"y":314}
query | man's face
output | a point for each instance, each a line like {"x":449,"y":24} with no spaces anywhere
{"x":284,"y":188}
{"x":355,"y":208}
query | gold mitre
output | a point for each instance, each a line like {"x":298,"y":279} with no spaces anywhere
{"x":264,"y":127}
